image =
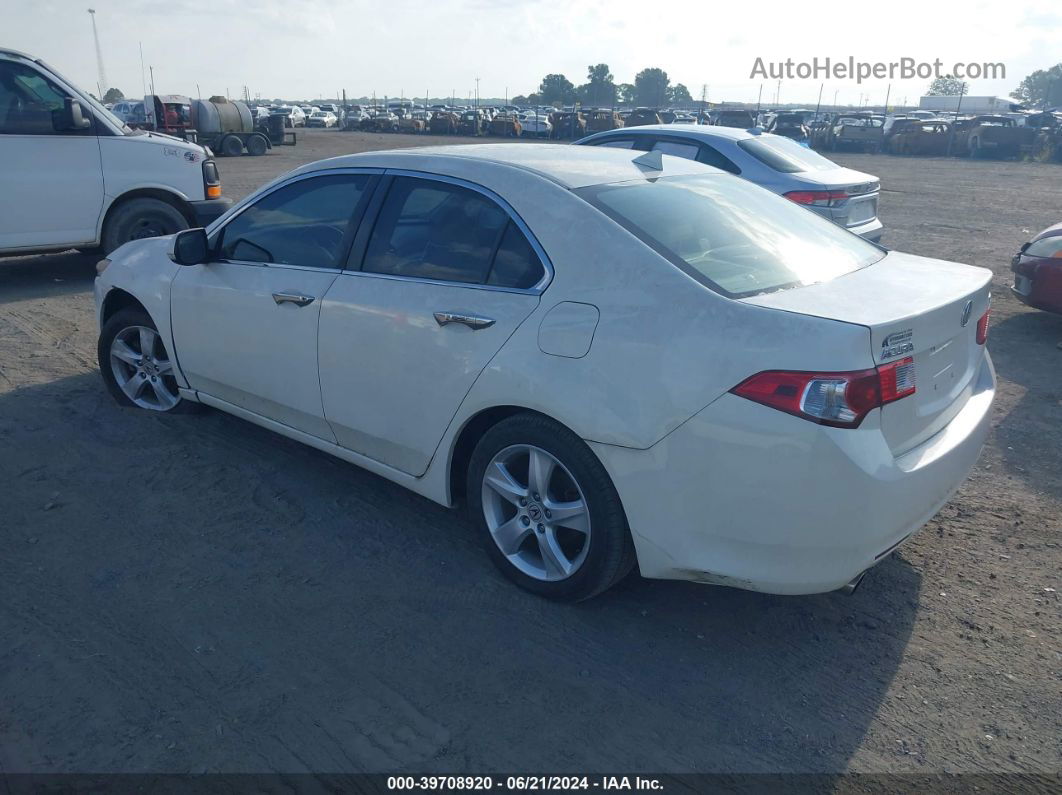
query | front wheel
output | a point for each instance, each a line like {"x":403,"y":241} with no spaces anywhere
{"x":549,"y":515}
{"x":140,"y":218}
{"x":136,"y":367}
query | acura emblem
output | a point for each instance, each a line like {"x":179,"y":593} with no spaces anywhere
{"x":966,"y":310}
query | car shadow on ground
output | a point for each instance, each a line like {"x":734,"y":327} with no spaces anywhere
{"x":196,"y":593}
{"x":46,"y":275}
{"x":1025,"y":350}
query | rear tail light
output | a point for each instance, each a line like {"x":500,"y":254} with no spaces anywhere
{"x":982,"y":328}
{"x":817,"y":198}
{"x":840,"y":400}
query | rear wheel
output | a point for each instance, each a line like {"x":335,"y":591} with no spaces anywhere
{"x":135,"y":365}
{"x":550,"y":517}
{"x":257,"y":145}
{"x":231,"y":146}
{"x":140,"y":218}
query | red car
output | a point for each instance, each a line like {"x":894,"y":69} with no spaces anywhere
{"x":1038,"y":271}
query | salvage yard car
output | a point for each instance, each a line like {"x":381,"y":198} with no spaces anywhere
{"x":990,"y":136}
{"x":819,"y":400}
{"x":603,"y":120}
{"x":1038,"y":271}
{"x":863,"y":133}
{"x":74,"y":176}
{"x":846,"y":197}
{"x":921,"y":138}
{"x":322,"y":118}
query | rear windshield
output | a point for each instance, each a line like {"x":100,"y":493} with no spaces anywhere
{"x":734,"y":236}
{"x":785,"y":154}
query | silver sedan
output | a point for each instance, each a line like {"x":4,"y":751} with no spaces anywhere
{"x":848,"y":198}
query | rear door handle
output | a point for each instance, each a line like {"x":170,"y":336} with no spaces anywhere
{"x":474,"y":322}
{"x":293,"y":298}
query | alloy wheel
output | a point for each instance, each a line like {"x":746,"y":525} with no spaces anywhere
{"x":536,"y":512}
{"x":142,"y":368}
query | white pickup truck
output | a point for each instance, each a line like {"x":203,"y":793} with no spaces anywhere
{"x":74,"y":176}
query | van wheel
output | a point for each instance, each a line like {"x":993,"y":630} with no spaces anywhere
{"x":256,"y":145}
{"x":231,"y":146}
{"x":140,"y":218}
{"x":548,"y":513}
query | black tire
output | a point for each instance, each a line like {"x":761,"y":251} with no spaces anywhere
{"x":610,"y":556}
{"x":115,"y":325}
{"x":140,"y":218}
{"x":231,"y":146}
{"x":257,"y":145}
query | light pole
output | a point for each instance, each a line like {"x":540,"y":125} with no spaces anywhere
{"x":99,"y":52}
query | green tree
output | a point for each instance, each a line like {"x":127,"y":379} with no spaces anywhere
{"x":1042,"y":87}
{"x":534,"y":98}
{"x":679,"y":93}
{"x":947,"y":86}
{"x":626,"y":93}
{"x":600,"y":90}
{"x":651,"y":87}
{"x":113,"y":95}
{"x":556,"y":88}
{"x":520,"y":99}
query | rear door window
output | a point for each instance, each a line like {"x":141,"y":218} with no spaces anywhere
{"x":435,"y":230}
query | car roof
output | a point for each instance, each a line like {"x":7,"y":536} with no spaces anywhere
{"x":702,"y":130}
{"x":567,"y":165}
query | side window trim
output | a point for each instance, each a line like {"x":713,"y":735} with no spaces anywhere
{"x":356,"y":261}
{"x":354,"y":223}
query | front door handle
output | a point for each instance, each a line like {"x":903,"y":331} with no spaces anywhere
{"x":293,"y":298}
{"x":474,"y":322}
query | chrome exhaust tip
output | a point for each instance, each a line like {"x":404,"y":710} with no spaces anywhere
{"x":851,"y":587}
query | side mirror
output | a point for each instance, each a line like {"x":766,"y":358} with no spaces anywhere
{"x":190,"y":247}
{"x":71,"y":117}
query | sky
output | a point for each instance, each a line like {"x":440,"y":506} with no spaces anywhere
{"x":306,"y":49}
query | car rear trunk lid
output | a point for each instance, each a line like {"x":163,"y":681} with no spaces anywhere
{"x":914,"y":307}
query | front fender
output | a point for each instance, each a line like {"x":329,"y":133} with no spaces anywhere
{"x":143,"y":269}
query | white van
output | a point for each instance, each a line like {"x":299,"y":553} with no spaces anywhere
{"x":74,"y":176}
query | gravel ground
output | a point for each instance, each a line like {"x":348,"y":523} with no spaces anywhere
{"x":197,"y":594}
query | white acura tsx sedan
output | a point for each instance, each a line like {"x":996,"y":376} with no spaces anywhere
{"x":609,"y":356}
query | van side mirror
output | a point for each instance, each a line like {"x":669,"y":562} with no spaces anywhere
{"x":190,"y":247}
{"x":71,"y":117}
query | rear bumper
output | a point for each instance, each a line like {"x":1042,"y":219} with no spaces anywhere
{"x":870,"y":230}
{"x":747,"y":496}
{"x":209,"y":210}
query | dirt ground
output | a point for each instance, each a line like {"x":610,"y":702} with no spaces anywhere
{"x":198,"y":594}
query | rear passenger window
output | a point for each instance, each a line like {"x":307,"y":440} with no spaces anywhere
{"x":711,"y":157}
{"x":619,"y":143}
{"x":434,"y":230}
{"x":516,"y":264}
{"x":677,"y":149}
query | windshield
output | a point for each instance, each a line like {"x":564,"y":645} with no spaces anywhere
{"x":785,"y":154}
{"x":735,"y":237}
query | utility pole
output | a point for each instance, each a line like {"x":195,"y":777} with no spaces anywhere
{"x":151,"y":70}
{"x":888,"y":91}
{"x":477,"y":93}
{"x":818,"y":105}
{"x":143,"y":74}
{"x":759,"y":99}
{"x":99,"y":53}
